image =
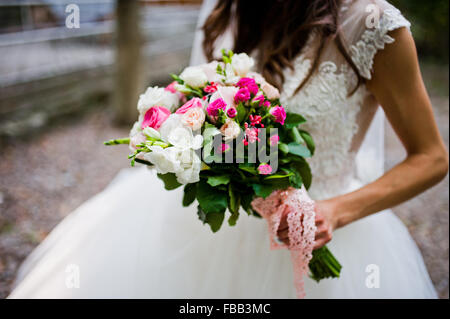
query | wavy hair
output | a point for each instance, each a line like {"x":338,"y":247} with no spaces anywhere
{"x":277,"y":30}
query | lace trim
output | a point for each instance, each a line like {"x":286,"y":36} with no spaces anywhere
{"x":301,"y":221}
{"x":363,"y":52}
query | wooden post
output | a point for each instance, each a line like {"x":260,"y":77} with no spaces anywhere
{"x":129,"y":70}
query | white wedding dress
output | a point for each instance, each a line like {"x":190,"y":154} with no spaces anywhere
{"x":135,"y":240}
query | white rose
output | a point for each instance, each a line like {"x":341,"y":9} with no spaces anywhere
{"x":210,"y":70}
{"x":172,"y":122}
{"x":174,"y":132}
{"x":166,"y":160}
{"x":230,"y":130}
{"x":242,"y":64}
{"x":194,"y":118}
{"x":194,"y":76}
{"x":190,"y":167}
{"x":155,"y":96}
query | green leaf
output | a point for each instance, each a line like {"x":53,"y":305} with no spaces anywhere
{"x":263,"y":190}
{"x":302,"y":167}
{"x":283,"y":148}
{"x":214,"y":220}
{"x":234,"y":204}
{"x":218,"y":180}
{"x":278,"y":176}
{"x":249,"y":168}
{"x":170,"y":181}
{"x":309,"y":141}
{"x":211,"y":200}
{"x":177,"y":78}
{"x":293,"y":120}
{"x":190,"y":191}
{"x":246,"y":201}
{"x":241,"y":112}
{"x":299,"y":149}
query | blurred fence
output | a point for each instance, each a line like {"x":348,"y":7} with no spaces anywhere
{"x":49,"y":70}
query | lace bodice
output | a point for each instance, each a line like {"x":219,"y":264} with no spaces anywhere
{"x":338,"y":122}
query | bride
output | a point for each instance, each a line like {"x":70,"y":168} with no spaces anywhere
{"x":335,"y":62}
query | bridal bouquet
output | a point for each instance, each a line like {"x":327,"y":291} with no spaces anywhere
{"x":220,"y":131}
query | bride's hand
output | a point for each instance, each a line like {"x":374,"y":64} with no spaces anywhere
{"x":326,"y":222}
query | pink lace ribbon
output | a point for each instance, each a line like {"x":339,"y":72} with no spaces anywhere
{"x":302,"y":228}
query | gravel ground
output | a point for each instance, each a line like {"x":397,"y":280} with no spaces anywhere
{"x":45,"y":178}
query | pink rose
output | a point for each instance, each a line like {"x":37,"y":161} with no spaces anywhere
{"x":194,"y":118}
{"x":214,"y":107}
{"x":243,"y":95}
{"x":192,"y":103}
{"x":251,"y":134}
{"x":279,"y":114}
{"x":155,"y":116}
{"x":231,"y":112}
{"x":226,"y":93}
{"x":248,"y":83}
{"x":274,"y":139}
{"x":260,"y":99}
{"x":264,"y":169}
{"x":171,"y":87}
{"x":271,"y":92}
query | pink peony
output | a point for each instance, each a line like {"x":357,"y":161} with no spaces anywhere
{"x":243,"y":95}
{"x":214,"y":107}
{"x":194,"y":118}
{"x":274,"y":139}
{"x":279,"y":114}
{"x":155,"y":116}
{"x":248,"y":83}
{"x":231,"y":112}
{"x":192,"y":103}
{"x":264,"y":169}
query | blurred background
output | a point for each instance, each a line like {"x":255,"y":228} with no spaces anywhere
{"x":65,"y":88}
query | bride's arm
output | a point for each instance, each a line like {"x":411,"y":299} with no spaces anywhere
{"x":398,"y":86}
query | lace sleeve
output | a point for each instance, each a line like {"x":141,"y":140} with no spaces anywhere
{"x":371,"y":21}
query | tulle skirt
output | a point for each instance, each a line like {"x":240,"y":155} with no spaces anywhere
{"x":135,"y":240}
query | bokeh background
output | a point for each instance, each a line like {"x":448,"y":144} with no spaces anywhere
{"x":64,"y":91}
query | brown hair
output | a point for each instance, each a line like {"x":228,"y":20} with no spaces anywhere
{"x":277,"y":30}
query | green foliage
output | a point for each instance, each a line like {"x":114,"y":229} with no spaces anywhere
{"x":190,"y":192}
{"x":170,"y":181}
{"x":211,"y":199}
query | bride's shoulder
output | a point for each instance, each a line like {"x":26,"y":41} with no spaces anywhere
{"x":368,"y":14}
{"x":365,"y":26}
